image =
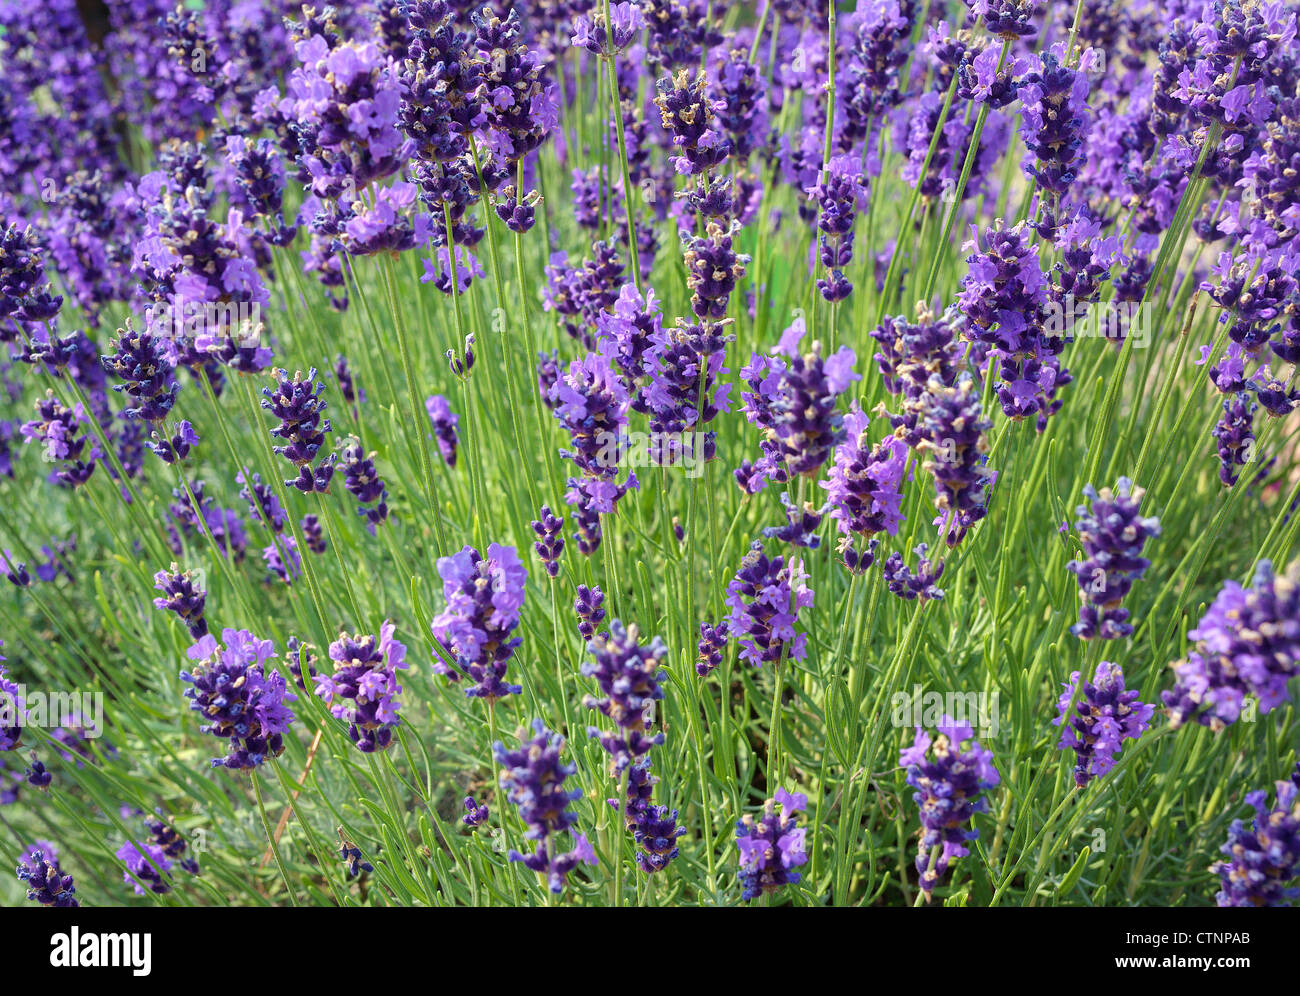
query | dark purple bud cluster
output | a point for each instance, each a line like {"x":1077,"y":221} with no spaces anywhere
{"x":588,"y":606}
{"x":902,"y":582}
{"x":258,"y":173}
{"x":172,"y":844}
{"x":298,"y":404}
{"x":1235,"y":435}
{"x":23,"y":290}
{"x":1053,"y":123}
{"x":363,"y":482}
{"x":176,"y":448}
{"x":444,"y":426}
{"x":180,"y":594}
{"x":313,"y":534}
{"x":263,"y":505}
{"x":801,"y":524}
{"x":475,"y":815}
{"x":740,"y":103}
{"x":550,"y":540}
{"x":141,"y":360}
{"x":351,"y":855}
{"x":46,"y":883}
{"x":653,"y":828}
{"x":837,"y":195}
{"x":689,"y":116}
{"x":628,"y":675}
{"x":713,"y":642}
{"x":680,"y":31}
{"x":713,"y":268}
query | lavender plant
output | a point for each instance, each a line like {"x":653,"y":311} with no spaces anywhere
{"x":786,"y":332}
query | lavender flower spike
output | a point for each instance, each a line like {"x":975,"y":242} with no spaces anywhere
{"x":949,"y":783}
{"x":1262,"y":861}
{"x":1105,"y":715}
{"x":1113,"y":534}
{"x":533,"y":778}
{"x":771,"y":846}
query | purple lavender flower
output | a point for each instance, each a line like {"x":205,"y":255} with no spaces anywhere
{"x":653,"y":828}
{"x":1112,"y":534}
{"x":351,"y":855}
{"x":771,"y":845}
{"x":58,"y":429}
{"x":550,"y":543}
{"x":180,"y":594}
{"x":141,"y":360}
{"x":298,"y":405}
{"x":591,"y":402}
{"x":533,"y":778}
{"x":594,"y":35}
{"x":1235,"y":435}
{"x":794,"y":400}
{"x":301,"y":658}
{"x":362,"y":480}
{"x":1054,"y":123}
{"x":241,"y":703}
{"x":363,"y":689}
{"x":900,"y":580}
{"x":713,"y":269}
{"x":313,"y":534}
{"x":628,"y":675}
{"x":801,"y":524}
{"x":444,"y":426}
{"x":837,"y":194}
{"x":147,"y":867}
{"x":689,"y":116}
{"x":46,"y":883}
{"x":951,"y":430}
{"x":177,"y":447}
{"x":12,"y":708}
{"x":684,"y":393}
{"x":282,"y":559}
{"x":37,"y":775}
{"x":475,"y":815}
{"x":1008,"y":19}
{"x":765,"y":597}
{"x":713,"y":642}
{"x":1104,"y":716}
{"x":864,"y":483}
{"x":484,"y":596}
{"x":588,"y":606}
{"x":263,"y":505}
{"x":172,"y":844}
{"x":949,"y":782}
{"x":1262,"y":861}
{"x":1247,"y":643}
